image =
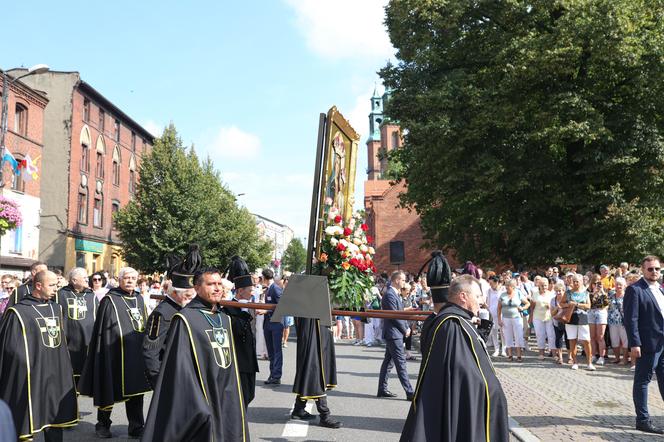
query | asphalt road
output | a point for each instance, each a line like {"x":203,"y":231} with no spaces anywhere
{"x":354,"y":403}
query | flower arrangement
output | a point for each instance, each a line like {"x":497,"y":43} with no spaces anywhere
{"x":10,"y":215}
{"x":346,"y":257}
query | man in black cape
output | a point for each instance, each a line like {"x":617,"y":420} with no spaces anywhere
{"x":198,"y":396}
{"x":37,"y":379}
{"x":79,"y":307}
{"x":114,"y":370}
{"x":25,"y":289}
{"x":179,"y":293}
{"x":458,"y":396}
{"x":245,"y":342}
{"x":316,"y":370}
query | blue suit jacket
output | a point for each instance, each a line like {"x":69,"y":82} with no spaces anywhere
{"x":393,"y":328}
{"x":643,"y":318}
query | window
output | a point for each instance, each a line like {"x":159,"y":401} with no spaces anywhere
{"x":21,"y":120}
{"x":82,"y":207}
{"x":17,"y":240}
{"x":100,"y":165}
{"x":17,"y":180}
{"x":116,"y":166}
{"x":145,"y":148}
{"x":102,"y":119}
{"x":132,"y":181}
{"x":116,"y":133}
{"x":98,"y":212}
{"x":133,"y":141}
{"x":95,"y":262}
{"x":86,"y":109}
{"x":115,"y":208}
{"x":85,"y":158}
{"x":395,"y":140}
{"x":80,"y":259}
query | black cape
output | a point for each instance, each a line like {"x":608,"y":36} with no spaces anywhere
{"x":114,"y":369}
{"x":458,"y":396}
{"x":316,"y":367}
{"x":245,"y":350}
{"x":154,"y":342}
{"x":80,"y":311}
{"x":198,"y":396}
{"x":37,"y":379}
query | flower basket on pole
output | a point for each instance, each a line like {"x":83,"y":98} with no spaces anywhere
{"x":10,"y":215}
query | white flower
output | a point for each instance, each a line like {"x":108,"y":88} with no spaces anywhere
{"x":338,"y":230}
{"x":351,"y":223}
{"x":329,"y":230}
{"x":357,"y":241}
{"x":364,"y":249}
{"x":334,"y":241}
{"x":344,"y":242}
{"x":353,"y":248}
{"x":328,"y":201}
{"x":359,"y":233}
{"x":372,"y":251}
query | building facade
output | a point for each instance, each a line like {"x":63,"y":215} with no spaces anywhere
{"x":396,"y":231}
{"x":92,"y":154}
{"x":279,"y":235}
{"x":19,"y":248}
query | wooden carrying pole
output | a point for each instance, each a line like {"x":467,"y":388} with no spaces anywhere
{"x":410,"y":315}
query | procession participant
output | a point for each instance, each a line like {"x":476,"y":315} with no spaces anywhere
{"x":114,"y":370}
{"x":273,"y":330}
{"x":198,"y":396}
{"x":468,"y":402}
{"x":243,"y":336}
{"x":37,"y":379}
{"x":79,"y":307}
{"x":24,"y":290}
{"x":179,"y":293}
{"x":316,"y":370}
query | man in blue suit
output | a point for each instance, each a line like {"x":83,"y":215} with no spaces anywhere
{"x":394,"y":331}
{"x":273,"y":331}
{"x":644,"y":321}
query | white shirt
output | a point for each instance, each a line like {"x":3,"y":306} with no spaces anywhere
{"x":657,"y":293}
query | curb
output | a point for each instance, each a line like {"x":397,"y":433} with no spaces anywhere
{"x":520,"y":433}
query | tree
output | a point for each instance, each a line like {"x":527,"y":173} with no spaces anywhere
{"x":295,"y":256}
{"x":533,"y":129}
{"x":179,"y":201}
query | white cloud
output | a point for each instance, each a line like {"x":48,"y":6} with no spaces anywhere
{"x":153,"y":127}
{"x":344,"y":28}
{"x":231,"y":142}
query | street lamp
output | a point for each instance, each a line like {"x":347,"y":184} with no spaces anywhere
{"x":36,"y":69}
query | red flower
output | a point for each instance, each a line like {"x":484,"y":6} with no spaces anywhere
{"x":341,"y":247}
{"x":373,"y":268}
{"x":364,"y":227}
{"x":337,"y":219}
{"x":347,"y":231}
{"x":369,"y":239}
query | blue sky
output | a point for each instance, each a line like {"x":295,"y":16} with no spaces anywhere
{"x":242,"y":81}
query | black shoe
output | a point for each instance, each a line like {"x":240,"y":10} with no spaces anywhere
{"x":136,"y":434}
{"x":648,"y":427}
{"x":302,"y":415}
{"x":103,"y":432}
{"x":272,"y":381}
{"x":410,"y":397}
{"x":329,"y":423}
{"x":386,"y":393}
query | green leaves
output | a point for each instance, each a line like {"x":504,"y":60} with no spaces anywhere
{"x":534,"y":129}
{"x":179,"y":201}
{"x":294,"y":259}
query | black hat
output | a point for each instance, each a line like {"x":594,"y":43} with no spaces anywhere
{"x":439,"y":276}
{"x":238,"y":273}
{"x":181,"y":271}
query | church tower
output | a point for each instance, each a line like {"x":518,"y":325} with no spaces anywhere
{"x":373,"y":142}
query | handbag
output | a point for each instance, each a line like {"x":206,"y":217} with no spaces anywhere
{"x":565,"y":314}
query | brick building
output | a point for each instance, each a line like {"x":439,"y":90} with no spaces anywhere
{"x":396,"y":231}
{"x":92,"y":153}
{"x":19,"y":248}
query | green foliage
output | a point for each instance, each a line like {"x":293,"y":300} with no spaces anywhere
{"x":534,"y":128}
{"x":294,"y":259}
{"x":180,"y":200}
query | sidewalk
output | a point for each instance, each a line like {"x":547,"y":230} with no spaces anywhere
{"x":556,"y":403}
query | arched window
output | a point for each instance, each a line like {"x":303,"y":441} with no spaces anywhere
{"x":98,"y":210}
{"x":132,"y":174}
{"x":21,"y":120}
{"x":86,"y":142}
{"x":116,"y":166}
{"x":101,"y":150}
{"x":17,"y":178}
{"x":82,"y":205}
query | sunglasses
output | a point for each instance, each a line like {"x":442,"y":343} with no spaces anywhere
{"x":653,"y":269}
{"x":96,"y":279}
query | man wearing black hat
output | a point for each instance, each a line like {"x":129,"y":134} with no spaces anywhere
{"x":458,"y":396}
{"x":245,"y":342}
{"x":198,"y":396}
{"x":180,"y":292}
{"x":114,"y":369}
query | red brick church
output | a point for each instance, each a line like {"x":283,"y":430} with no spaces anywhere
{"x":396,"y":231}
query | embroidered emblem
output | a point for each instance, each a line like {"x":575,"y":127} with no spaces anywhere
{"x":50,"y":331}
{"x":77,"y":308}
{"x":221,"y":346}
{"x":136,"y":319}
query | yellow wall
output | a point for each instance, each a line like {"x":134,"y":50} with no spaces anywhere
{"x":95,"y":261}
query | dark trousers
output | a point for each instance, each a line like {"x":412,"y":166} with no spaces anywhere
{"x":273,"y":334}
{"x":642,"y":376}
{"x":248,"y":381}
{"x":134,"y":410}
{"x":321,"y":405}
{"x":394,"y":356}
{"x":52,"y":434}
